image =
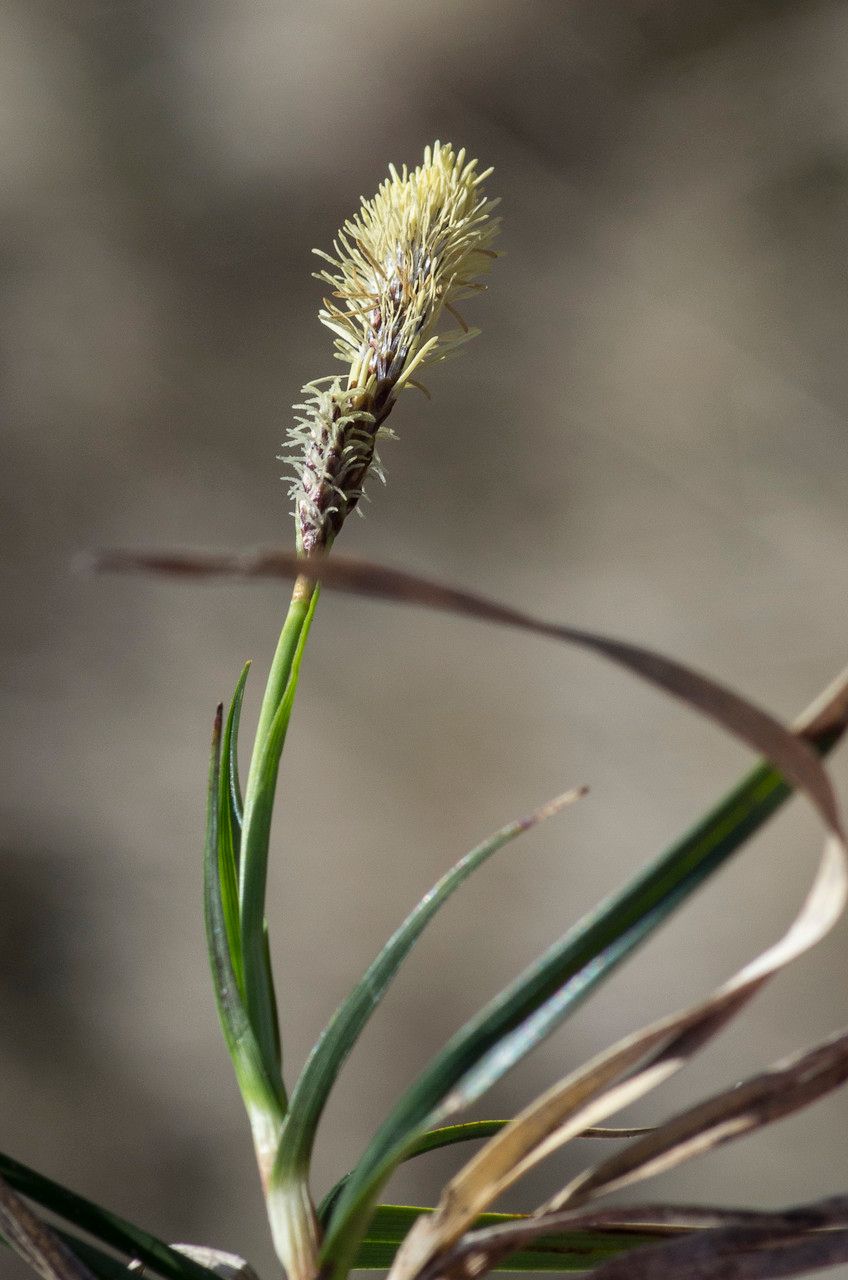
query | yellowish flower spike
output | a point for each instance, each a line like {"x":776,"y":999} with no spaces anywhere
{"x":406,"y":257}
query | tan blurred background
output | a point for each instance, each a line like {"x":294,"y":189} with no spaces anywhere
{"x":650,"y":437}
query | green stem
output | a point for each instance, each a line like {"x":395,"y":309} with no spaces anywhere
{"x":258,"y":807}
{"x":278,"y":676}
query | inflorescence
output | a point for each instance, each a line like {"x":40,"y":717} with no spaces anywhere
{"x":409,"y":254}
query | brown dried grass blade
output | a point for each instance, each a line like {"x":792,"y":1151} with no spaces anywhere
{"x":733,"y":1253}
{"x":705,"y":1241}
{"x":758,"y":1101}
{"x":361,"y":577}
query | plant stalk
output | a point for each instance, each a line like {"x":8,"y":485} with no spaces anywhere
{"x":258,"y":803}
{"x":290,"y":1210}
{"x":294,"y":1228}
{"x":278,"y":676}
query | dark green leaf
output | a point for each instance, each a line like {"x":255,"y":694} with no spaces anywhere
{"x":278,"y":1044}
{"x":258,"y":1089}
{"x":230,"y":752}
{"x":229,"y":832}
{"x":449,"y":1135}
{"x":103,"y":1265}
{"x":106,"y":1227}
{"x":471,"y":1131}
{"x":564,"y":1251}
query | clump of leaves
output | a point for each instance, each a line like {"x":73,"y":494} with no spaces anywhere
{"x":402,"y":263}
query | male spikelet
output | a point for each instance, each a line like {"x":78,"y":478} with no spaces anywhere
{"x":413,"y":251}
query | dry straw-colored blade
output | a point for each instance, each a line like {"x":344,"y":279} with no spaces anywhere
{"x":784,"y":1088}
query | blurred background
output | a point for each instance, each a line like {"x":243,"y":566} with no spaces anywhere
{"x":649,"y":438}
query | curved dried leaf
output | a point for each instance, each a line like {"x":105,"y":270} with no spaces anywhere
{"x":365,"y":578}
{"x":730,"y":1114}
{"x":733,"y":1253}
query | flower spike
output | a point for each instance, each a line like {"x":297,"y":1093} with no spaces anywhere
{"x":410,"y":253}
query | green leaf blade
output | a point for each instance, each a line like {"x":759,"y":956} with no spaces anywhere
{"x":229,"y":751}
{"x":229,"y":830}
{"x":106,"y":1227}
{"x":103,"y":1265}
{"x":261,"y":1092}
{"x":566,"y":1251}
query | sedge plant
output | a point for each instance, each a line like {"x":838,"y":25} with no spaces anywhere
{"x":398,"y":272}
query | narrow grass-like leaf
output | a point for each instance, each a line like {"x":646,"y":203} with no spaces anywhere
{"x":106,"y":1227}
{"x":450,"y":1135}
{"x":103,"y":1265}
{"x":229,"y":832}
{"x":538,"y":1001}
{"x":475,"y":1131}
{"x":229,"y":755}
{"x":262,"y":1093}
{"x":553,"y":1251}
{"x":580,"y":1251}
{"x":275,"y":1016}
{"x":318,"y":1076}
{"x":585,"y":1254}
